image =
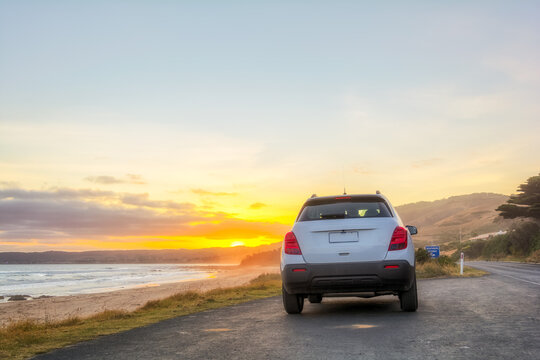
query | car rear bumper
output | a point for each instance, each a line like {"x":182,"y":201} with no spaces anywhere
{"x":377,"y":276}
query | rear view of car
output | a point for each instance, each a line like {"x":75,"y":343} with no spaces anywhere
{"x":348,"y":245}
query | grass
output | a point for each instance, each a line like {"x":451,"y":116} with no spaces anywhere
{"x":22,"y":340}
{"x":433,"y":269}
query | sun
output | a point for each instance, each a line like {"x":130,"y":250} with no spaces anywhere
{"x":237,"y":243}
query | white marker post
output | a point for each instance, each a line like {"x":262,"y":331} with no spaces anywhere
{"x":461,"y":264}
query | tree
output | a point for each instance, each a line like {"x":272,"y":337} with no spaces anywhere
{"x":526,"y":204}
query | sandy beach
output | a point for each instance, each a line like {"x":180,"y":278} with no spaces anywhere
{"x":63,"y":307}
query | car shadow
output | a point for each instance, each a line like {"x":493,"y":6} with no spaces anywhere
{"x":352,"y":306}
{"x":337,"y":316}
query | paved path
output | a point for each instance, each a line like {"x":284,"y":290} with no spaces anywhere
{"x":492,"y":317}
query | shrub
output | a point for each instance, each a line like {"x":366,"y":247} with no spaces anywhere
{"x":432,"y":269}
{"x":496,"y":247}
{"x":535,"y":257}
{"x":475,"y":249}
{"x":445,"y":261}
{"x":522,"y":238}
{"x":536,"y":243}
{"x":422,"y":255}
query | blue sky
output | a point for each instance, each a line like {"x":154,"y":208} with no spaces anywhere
{"x":271,"y":101}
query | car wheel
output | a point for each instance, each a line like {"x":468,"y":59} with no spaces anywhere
{"x":409,"y":299}
{"x":315,"y":298}
{"x":293,"y":304}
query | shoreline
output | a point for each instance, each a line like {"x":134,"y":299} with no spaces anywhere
{"x":188,"y":272}
{"x":59,"y":308}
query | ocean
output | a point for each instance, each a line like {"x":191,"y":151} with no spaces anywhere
{"x":71,"y":279}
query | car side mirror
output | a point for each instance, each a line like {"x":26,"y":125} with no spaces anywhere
{"x":412,"y":229}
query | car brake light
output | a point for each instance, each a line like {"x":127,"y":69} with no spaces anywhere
{"x":299,"y":270}
{"x":343,"y":197}
{"x":291,"y":244}
{"x":399,"y":239}
{"x":391,"y":266}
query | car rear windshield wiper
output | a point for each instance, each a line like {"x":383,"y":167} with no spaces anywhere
{"x":333,"y":216}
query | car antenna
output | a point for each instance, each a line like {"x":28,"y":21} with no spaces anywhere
{"x":343,"y":177}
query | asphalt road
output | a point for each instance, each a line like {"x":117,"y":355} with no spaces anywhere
{"x":492,"y":317}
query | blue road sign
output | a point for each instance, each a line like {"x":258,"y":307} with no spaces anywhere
{"x":433,"y":250}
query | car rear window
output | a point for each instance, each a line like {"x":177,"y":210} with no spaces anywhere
{"x":344,"y":210}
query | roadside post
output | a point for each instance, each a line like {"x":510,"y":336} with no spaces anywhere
{"x":461,"y":264}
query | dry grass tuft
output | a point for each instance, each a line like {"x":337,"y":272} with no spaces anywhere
{"x":433,"y":269}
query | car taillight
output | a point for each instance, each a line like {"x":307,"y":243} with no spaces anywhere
{"x":291,"y":244}
{"x":399,"y":239}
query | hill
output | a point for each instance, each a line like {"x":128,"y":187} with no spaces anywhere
{"x":440,"y":221}
{"x":264,"y":258}
{"x":231,"y":255}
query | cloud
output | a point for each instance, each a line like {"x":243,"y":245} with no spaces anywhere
{"x":257,"y":205}
{"x":362,"y":170}
{"x":203,"y":192}
{"x":427,"y":162}
{"x":63,"y":194}
{"x":81,"y":218}
{"x":135,"y":179}
{"x":104,"y":180}
{"x":29,"y":234}
{"x":143,"y":200}
{"x":60,"y":215}
{"x":111,"y":180}
{"x":54,"y":194}
{"x":9,"y":184}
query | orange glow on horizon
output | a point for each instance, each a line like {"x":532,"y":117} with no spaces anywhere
{"x":144,"y":243}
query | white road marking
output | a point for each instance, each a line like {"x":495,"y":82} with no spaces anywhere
{"x":498,"y":267}
{"x":513,"y":277}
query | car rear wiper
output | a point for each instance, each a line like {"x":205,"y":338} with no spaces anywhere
{"x":333,"y":216}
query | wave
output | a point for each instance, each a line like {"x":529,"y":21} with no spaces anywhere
{"x":72,"y":279}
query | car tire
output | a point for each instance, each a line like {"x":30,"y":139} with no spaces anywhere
{"x":409,"y":299}
{"x":315,"y":298}
{"x":293,"y":304}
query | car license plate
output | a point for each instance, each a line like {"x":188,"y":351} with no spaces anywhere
{"x":343,"y":236}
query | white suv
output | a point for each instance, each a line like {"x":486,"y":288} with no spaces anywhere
{"x":348,"y":245}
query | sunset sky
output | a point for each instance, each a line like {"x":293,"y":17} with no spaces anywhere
{"x":188,"y":124}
